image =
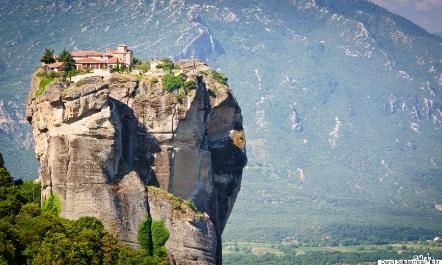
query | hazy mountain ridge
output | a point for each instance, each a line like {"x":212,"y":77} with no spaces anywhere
{"x":341,"y":99}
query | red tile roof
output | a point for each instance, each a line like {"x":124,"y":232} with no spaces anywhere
{"x":89,"y":60}
{"x":86,"y":53}
{"x":54,"y":65}
{"x":112,"y":60}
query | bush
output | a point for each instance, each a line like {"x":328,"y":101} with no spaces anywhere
{"x":176,"y":203}
{"x":152,"y":235}
{"x":189,"y":85}
{"x":160,"y":234}
{"x":190,"y":204}
{"x":171,"y":82}
{"x":180,"y":95}
{"x":137,"y":61}
{"x":219,"y":77}
{"x":51,"y":74}
{"x":166,"y":65}
{"x":144,"y":235}
{"x":52,"y":205}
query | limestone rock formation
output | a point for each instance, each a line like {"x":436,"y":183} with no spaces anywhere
{"x":102,"y":142}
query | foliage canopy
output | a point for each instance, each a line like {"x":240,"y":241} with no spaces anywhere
{"x":33,"y":235}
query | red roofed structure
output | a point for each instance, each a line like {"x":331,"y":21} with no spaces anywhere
{"x":102,"y":60}
{"x":86,"y":54}
{"x":52,"y":66}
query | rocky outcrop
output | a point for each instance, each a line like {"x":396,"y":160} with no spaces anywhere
{"x":100,"y":143}
{"x":193,"y":235}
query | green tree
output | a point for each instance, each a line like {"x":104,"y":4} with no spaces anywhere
{"x":68,"y":67}
{"x":152,"y":235}
{"x":48,"y":56}
{"x":30,"y":190}
{"x":52,"y":205}
{"x":160,"y":234}
{"x":137,"y":61}
{"x":144,"y":235}
{"x":5,"y":178}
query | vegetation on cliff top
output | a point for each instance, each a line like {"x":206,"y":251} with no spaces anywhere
{"x":217,"y":76}
{"x":33,"y":235}
{"x":178,"y":83}
{"x":45,"y":78}
{"x":167,"y":65}
{"x":178,"y":205}
{"x":44,"y":82}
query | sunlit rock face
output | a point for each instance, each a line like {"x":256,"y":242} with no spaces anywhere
{"x":102,"y":141}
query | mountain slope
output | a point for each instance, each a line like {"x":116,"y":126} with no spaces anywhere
{"x":341,"y":101}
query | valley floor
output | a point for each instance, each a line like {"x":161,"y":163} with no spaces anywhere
{"x":266,"y":253}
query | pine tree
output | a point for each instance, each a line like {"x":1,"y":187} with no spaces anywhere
{"x":48,"y":56}
{"x":68,"y":63}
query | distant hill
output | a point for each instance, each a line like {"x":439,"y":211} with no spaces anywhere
{"x":341,"y":102}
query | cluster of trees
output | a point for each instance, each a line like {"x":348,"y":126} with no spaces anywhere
{"x":342,"y":234}
{"x":353,"y":234}
{"x":64,"y":57}
{"x":30,"y":234}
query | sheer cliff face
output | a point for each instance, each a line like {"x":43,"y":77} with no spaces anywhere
{"x":101,"y":142}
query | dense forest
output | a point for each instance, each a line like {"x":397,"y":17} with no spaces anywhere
{"x":34,"y":234}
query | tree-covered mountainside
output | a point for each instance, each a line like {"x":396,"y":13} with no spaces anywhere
{"x":30,"y":234}
{"x":341,"y":103}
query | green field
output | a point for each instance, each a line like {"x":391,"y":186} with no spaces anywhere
{"x":263,"y":253}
